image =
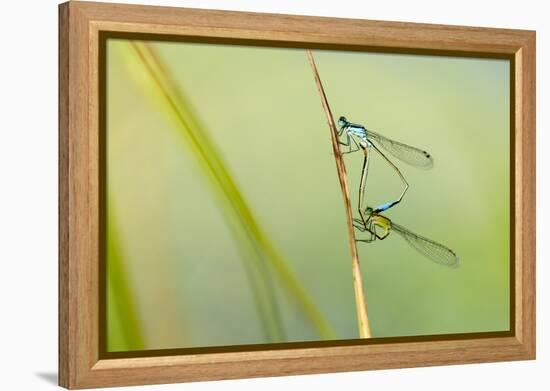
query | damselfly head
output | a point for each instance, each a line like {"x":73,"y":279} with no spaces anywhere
{"x":342,"y":121}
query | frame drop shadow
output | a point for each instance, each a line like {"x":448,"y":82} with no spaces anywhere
{"x":48,"y":377}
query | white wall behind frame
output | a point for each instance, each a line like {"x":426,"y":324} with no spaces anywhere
{"x":28,"y":207}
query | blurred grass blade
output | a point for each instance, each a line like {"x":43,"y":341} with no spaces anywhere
{"x":257,"y":248}
{"x":225,"y":190}
{"x":122,"y":319}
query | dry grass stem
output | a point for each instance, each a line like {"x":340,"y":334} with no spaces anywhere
{"x":361,"y":305}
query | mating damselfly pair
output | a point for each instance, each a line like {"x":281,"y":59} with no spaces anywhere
{"x":358,"y":138}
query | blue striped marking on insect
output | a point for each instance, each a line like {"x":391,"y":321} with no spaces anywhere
{"x":385,"y":206}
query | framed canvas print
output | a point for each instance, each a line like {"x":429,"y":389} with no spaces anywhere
{"x":251,"y":195}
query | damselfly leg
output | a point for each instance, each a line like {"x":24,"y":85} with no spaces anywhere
{"x":377,"y":226}
{"x":349,"y":141}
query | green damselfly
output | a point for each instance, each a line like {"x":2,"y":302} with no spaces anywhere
{"x":379,"y":227}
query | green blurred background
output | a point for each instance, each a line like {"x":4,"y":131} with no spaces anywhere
{"x":176,"y":276}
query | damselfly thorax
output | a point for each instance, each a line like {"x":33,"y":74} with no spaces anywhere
{"x":379,"y":225}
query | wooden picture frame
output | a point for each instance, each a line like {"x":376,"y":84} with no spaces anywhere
{"x":81,"y":24}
